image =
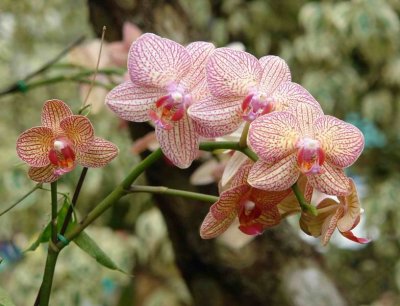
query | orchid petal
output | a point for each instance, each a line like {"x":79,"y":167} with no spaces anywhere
{"x":274,"y":177}
{"x":353,"y":211}
{"x":275,"y":71}
{"x":216,"y":117}
{"x":349,"y":235}
{"x":79,"y":130}
{"x":332,"y":181}
{"x":268,"y":199}
{"x":180,"y":144}
{"x":269,"y":217}
{"x":341,"y":141}
{"x":44,"y":174}
{"x":274,"y":136}
{"x":290,"y":94}
{"x":53,"y":112}
{"x":157,"y":62}
{"x":132,"y":102}
{"x":306,"y":115}
{"x":232,"y":168}
{"x":98,"y":154}
{"x":195,"y":81}
{"x":290,"y":205}
{"x":222,"y":213}
{"x":329,"y":225}
{"x":240,"y":177}
{"x":232,"y":73}
{"x":33,"y":146}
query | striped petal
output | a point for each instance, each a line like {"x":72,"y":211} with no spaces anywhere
{"x":341,"y":141}
{"x":179,"y":144}
{"x":216,"y":117}
{"x":195,"y":81}
{"x":275,"y":71}
{"x":332,"y":181}
{"x":157,"y":62}
{"x":132,"y":102}
{"x":223,"y":212}
{"x":274,"y":136}
{"x":274,"y":177}
{"x":268,"y":199}
{"x":98,"y":154}
{"x":289,"y":94}
{"x":240,"y":177}
{"x":352,"y":212}
{"x":33,"y":146}
{"x":232,"y":168}
{"x":329,"y":225}
{"x":232,"y":73}
{"x":79,"y":130}
{"x":306,"y":115}
{"x":43,"y":174}
{"x":53,"y":112}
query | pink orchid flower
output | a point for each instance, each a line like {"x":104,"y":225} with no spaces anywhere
{"x":344,"y":216}
{"x":243,"y":88}
{"x":303,"y":140}
{"x":118,"y":50}
{"x":255,"y":208}
{"x":60,"y":143}
{"x":165,"y":79}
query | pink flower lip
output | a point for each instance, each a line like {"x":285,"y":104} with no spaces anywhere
{"x":256,"y":104}
{"x":310,"y":156}
{"x":62,"y":155}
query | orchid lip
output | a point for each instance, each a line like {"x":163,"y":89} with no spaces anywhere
{"x":255,"y":105}
{"x":62,"y":155}
{"x":310,"y":156}
{"x":170,"y":108}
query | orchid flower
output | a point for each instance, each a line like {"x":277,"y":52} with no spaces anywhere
{"x":60,"y":143}
{"x":242,"y":88}
{"x":344,"y":216}
{"x":303,"y":140}
{"x":165,"y":80}
{"x":255,"y":208}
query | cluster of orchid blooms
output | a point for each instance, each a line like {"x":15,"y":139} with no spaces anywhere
{"x":200,"y":91}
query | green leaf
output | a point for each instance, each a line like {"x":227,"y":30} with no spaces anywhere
{"x":5,"y":299}
{"x":90,"y":247}
{"x":46,"y":233}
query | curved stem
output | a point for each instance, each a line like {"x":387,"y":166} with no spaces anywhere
{"x":243,"y":137}
{"x":37,"y":186}
{"x":228,"y":145}
{"x":113,"y":197}
{"x":174,"y":192}
{"x":306,"y":207}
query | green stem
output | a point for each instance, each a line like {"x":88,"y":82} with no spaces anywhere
{"x":113,"y":197}
{"x":45,"y":289}
{"x":54,"y":211}
{"x":306,"y":207}
{"x":243,"y":137}
{"x":174,"y":192}
{"x":74,"y":201}
{"x":228,"y":145}
{"x":37,"y":186}
{"x":52,"y":255}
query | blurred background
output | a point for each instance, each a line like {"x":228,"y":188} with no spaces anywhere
{"x":346,"y":53}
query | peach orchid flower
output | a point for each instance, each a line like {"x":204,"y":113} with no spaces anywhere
{"x":303,"y":140}
{"x":255,"y":208}
{"x":165,"y":79}
{"x":243,"y":88}
{"x":60,"y":143}
{"x":344,"y":216}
